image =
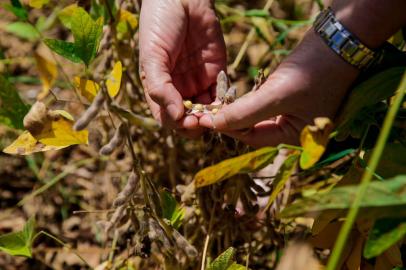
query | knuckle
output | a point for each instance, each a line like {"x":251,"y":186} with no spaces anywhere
{"x":155,"y":92}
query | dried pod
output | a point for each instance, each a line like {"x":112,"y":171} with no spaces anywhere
{"x":128,"y":190}
{"x":156,"y":233}
{"x":184,"y":245}
{"x":134,"y":220}
{"x":118,"y":214}
{"x":259,"y":80}
{"x":258,"y":188}
{"x":116,"y":141}
{"x":90,"y":113}
{"x":138,"y":120}
{"x":36,"y":118}
{"x":250,"y":194}
{"x":142,"y":246}
{"x":246,"y":203}
{"x":231,"y":95}
{"x":222,"y":85}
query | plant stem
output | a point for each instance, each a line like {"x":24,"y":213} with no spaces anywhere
{"x":63,"y":244}
{"x":207,"y":240}
{"x":248,"y":39}
{"x":206,"y":246}
{"x":367,"y":176}
{"x":55,"y":180}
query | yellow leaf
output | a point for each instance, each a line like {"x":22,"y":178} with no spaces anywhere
{"x":87,"y":88}
{"x":113,"y":81}
{"x":47,"y":72}
{"x":314,"y":140}
{"x":56,"y":133}
{"x":26,"y":144}
{"x":64,"y":114}
{"x":59,"y":132}
{"x":37,"y":3}
{"x":128,"y":17}
{"x":283,"y":176}
{"x":65,"y":15}
{"x":246,"y":163}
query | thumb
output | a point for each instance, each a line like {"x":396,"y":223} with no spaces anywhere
{"x":159,"y":87}
{"x":268,"y":101}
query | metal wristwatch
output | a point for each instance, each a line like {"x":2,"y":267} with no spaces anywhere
{"x":345,"y":44}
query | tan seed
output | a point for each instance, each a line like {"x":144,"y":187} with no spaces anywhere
{"x":188,"y":104}
{"x":199,"y":107}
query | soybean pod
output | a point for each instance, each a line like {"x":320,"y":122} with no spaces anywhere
{"x":116,"y":141}
{"x":90,"y":113}
{"x":128,"y":190}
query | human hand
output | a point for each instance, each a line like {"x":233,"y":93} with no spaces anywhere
{"x":181,"y":52}
{"x":311,"y":82}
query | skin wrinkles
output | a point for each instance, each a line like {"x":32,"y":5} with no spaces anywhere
{"x":187,"y":49}
{"x":165,"y":32}
{"x":312,"y":81}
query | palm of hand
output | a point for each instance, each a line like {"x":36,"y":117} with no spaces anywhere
{"x":186,"y":40}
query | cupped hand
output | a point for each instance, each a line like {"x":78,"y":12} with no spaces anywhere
{"x":181,"y":52}
{"x":311,"y":82}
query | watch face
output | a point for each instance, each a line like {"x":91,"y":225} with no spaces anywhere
{"x":340,"y":40}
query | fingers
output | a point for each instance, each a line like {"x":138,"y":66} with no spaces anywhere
{"x":187,"y":126}
{"x":190,"y":134}
{"x":284,"y":129}
{"x":159,"y":87}
{"x":159,"y":47}
{"x":269,"y":101}
{"x":188,"y":122}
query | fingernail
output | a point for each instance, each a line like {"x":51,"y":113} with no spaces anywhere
{"x":173,"y":111}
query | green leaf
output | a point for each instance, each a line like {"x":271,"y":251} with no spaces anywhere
{"x":171,"y":210}
{"x":23,"y":30}
{"x":19,"y":243}
{"x":63,"y":48}
{"x":393,"y":162}
{"x":256,"y":13}
{"x":223,"y":261}
{"x":236,"y":266}
{"x":368,"y":93}
{"x":246,"y":163}
{"x":17,"y":9}
{"x":384,"y":234}
{"x":99,"y":9}
{"x":382,"y":199}
{"x":87,"y":34}
{"x":12,"y":108}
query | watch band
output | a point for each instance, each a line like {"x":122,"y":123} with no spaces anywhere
{"x":340,"y":40}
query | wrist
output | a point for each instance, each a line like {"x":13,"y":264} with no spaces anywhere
{"x":320,"y":62}
{"x":371,"y":21}
{"x":314,"y":70}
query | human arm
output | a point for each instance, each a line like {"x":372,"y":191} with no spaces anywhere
{"x":313,"y":81}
